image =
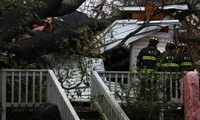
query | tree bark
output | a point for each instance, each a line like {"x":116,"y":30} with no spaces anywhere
{"x":62,"y":27}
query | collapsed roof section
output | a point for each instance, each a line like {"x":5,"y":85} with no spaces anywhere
{"x":119,"y":29}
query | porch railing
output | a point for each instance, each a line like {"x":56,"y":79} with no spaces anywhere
{"x":104,"y":101}
{"x":27,"y":88}
{"x":31,"y":88}
{"x":119,"y":81}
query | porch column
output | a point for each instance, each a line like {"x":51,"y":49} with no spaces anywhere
{"x":3,"y":94}
{"x":132,"y":60}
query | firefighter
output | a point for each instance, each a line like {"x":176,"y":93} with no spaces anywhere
{"x":167,"y":61}
{"x":147,"y":57}
{"x":185,"y":60}
{"x":146,"y":65}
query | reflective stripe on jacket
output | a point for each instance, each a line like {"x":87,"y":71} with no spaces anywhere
{"x":170,"y":65}
{"x":186,"y":64}
{"x":148,"y":58}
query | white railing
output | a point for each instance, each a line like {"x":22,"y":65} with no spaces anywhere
{"x":57,"y":96}
{"x":26,"y":88}
{"x":104,"y":101}
{"x":31,"y":88}
{"x":118,"y":80}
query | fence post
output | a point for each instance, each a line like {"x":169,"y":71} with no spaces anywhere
{"x":191,"y":96}
{"x":48,"y":88}
{"x":3,"y":94}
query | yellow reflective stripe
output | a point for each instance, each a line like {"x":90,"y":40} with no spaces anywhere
{"x":169,"y":65}
{"x":148,"y":58}
{"x":186,"y":64}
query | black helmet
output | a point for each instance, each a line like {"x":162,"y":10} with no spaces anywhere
{"x":154,"y":39}
{"x":171,"y":45}
{"x":182,"y":45}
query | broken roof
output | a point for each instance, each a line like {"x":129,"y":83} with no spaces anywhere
{"x":165,"y":7}
{"x":119,"y":29}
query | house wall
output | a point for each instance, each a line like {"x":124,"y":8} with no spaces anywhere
{"x":136,"y":46}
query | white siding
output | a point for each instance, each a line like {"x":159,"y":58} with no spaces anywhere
{"x":135,"y":49}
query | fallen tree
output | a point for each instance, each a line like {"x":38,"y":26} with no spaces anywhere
{"x":18,"y":19}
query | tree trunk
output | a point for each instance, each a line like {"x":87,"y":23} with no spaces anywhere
{"x":62,"y":27}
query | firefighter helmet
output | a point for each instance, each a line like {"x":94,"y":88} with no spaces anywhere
{"x":171,"y":45}
{"x":182,"y":45}
{"x":154,"y":39}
